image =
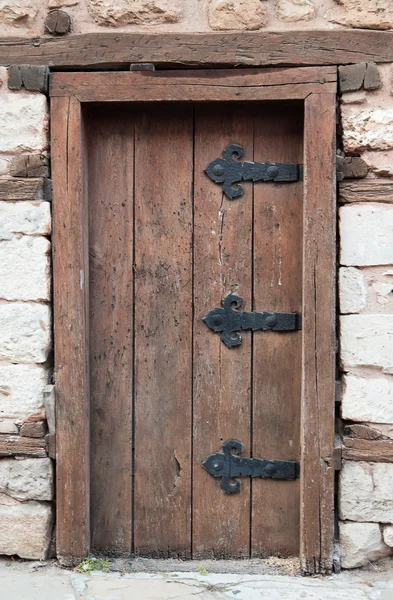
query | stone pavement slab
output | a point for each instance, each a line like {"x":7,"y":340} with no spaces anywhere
{"x":46,"y":581}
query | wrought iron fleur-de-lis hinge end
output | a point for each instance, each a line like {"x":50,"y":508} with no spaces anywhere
{"x":228,"y":465}
{"x":229,"y":320}
{"x":229,"y":171}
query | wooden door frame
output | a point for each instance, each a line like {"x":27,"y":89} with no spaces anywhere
{"x":316,"y":87}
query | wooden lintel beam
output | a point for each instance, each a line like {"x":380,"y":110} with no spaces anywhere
{"x":272,"y":48}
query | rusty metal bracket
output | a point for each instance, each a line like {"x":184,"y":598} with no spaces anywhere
{"x":229,"y":170}
{"x":229,"y":320}
{"x":228,"y":465}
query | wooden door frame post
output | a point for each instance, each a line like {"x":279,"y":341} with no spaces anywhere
{"x":314,"y":86}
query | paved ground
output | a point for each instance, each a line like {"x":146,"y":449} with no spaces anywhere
{"x":46,"y":581}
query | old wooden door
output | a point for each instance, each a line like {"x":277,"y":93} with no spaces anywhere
{"x":167,"y":246}
{"x":162,"y":245}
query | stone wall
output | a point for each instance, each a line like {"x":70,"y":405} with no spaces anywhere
{"x":366,"y":321}
{"x":27,"y":426}
{"x":31,"y":16}
{"x":26,"y":470}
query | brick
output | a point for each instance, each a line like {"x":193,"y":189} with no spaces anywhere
{"x":366,"y":233}
{"x":25,"y":332}
{"x":25,"y":269}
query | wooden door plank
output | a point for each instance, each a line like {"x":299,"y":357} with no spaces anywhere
{"x":71,"y":310}
{"x":317,"y":469}
{"x":163,"y":331}
{"x":110,"y":172}
{"x":278,"y":134}
{"x":222,"y":264}
{"x":270,"y":48}
{"x":215,"y":85}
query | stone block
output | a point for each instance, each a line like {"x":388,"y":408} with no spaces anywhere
{"x":33,"y":429}
{"x":352,"y":291}
{"x":365,"y":492}
{"x":25,"y":269}
{"x":31,"y":77}
{"x":19,"y":13}
{"x":295,"y":10}
{"x":29,"y":165}
{"x":23,"y":120}
{"x":25,"y":332}
{"x":367,"y":341}
{"x":363,"y":14}
{"x":351,"y":77}
{"x":26,"y":529}
{"x":388,"y":535}
{"x":354,"y":97}
{"x":21,"y":390}
{"x":368,"y":399}
{"x":237,"y":14}
{"x":366,"y":234}
{"x":30,"y":218}
{"x":354,"y":167}
{"x":27,"y":479}
{"x":138,"y":12}
{"x":361,"y":543}
{"x":372,"y":78}
{"x":366,"y":128}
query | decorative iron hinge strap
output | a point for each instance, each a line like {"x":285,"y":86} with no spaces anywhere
{"x":228,"y":466}
{"x":230,"y":171}
{"x":228,"y":322}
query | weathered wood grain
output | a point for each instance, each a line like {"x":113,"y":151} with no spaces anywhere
{"x":212,"y":85}
{"x":368,"y":450}
{"x":22,"y":189}
{"x":114,"y":49}
{"x":163,"y":331}
{"x":15,"y":445}
{"x":222,"y":376}
{"x":110,"y":148}
{"x":71,"y":317}
{"x":277,"y":258}
{"x":366,"y":190}
{"x":319,"y":230}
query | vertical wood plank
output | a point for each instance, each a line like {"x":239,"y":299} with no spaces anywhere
{"x":110,"y":136}
{"x":317,"y":470}
{"x":71,"y":276}
{"x":278,"y":211}
{"x":222,"y":264}
{"x":163,"y":331}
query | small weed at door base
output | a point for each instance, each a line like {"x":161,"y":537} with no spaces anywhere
{"x":93,"y":564}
